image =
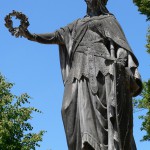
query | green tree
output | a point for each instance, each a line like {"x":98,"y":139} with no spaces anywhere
{"x":144,"y":102}
{"x":15,"y":129}
{"x":144,"y":8}
{"x":148,"y":41}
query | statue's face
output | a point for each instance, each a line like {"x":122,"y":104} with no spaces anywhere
{"x":90,"y":3}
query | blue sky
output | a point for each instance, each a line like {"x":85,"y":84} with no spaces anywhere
{"x":35,"y":69}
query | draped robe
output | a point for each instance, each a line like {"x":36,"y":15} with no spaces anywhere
{"x":97,"y":103}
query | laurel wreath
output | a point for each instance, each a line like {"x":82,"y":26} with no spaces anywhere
{"x":24,"y":23}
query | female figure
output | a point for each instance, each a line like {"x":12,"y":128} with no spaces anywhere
{"x":100,"y":77}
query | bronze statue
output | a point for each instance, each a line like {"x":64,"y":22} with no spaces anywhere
{"x":100,"y":77}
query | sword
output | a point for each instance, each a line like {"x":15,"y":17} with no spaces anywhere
{"x":114,"y":66}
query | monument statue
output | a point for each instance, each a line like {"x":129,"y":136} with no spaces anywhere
{"x":100,"y":78}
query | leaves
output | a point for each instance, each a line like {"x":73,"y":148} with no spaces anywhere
{"x":148,"y":41}
{"x":144,"y":104}
{"x":143,"y":7}
{"x":14,"y":126}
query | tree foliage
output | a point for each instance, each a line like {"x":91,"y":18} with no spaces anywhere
{"x":15,"y":129}
{"x":148,"y":41}
{"x":144,"y":102}
{"x":143,"y":7}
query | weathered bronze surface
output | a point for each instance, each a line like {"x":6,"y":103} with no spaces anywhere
{"x":100,"y":77}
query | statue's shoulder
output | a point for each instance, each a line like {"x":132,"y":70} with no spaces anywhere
{"x":107,"y":17}
{"x":100,"y":18}
{"x":71,"y":25}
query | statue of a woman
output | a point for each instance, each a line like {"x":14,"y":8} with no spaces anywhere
{"x":100,"y":77}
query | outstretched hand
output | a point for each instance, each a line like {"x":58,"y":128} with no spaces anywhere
{"x":24,"y":33}
{"x":22,"y":29}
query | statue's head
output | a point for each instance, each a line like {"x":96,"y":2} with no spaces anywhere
{"x":100,"y":5}
{"x":104,"y":2}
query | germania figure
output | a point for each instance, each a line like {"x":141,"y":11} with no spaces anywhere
{"x":100,"y":78}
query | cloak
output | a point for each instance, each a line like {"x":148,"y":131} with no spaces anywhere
{"x":102,"y":120}
{"x":107,"y":26}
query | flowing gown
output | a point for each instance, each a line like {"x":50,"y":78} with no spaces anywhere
{"x":97,"y":103}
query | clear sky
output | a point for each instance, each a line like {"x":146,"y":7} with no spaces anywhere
{"x":35,"y":69}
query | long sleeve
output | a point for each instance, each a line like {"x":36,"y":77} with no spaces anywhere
{"x":59,"y":37}
{"x":48,"y":38}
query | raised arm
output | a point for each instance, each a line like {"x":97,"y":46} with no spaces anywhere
{"x":47,"y":38}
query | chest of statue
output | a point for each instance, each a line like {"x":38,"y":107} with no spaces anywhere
{"x":90,"y":54}
{"x":92,"y":40}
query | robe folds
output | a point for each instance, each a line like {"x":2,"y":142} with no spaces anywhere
{"x":100,"y":120}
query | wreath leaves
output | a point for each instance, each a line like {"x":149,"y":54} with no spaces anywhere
{"x":24,"y":23}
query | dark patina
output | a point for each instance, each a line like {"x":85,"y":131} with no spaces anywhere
{"x":100,"y":77}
